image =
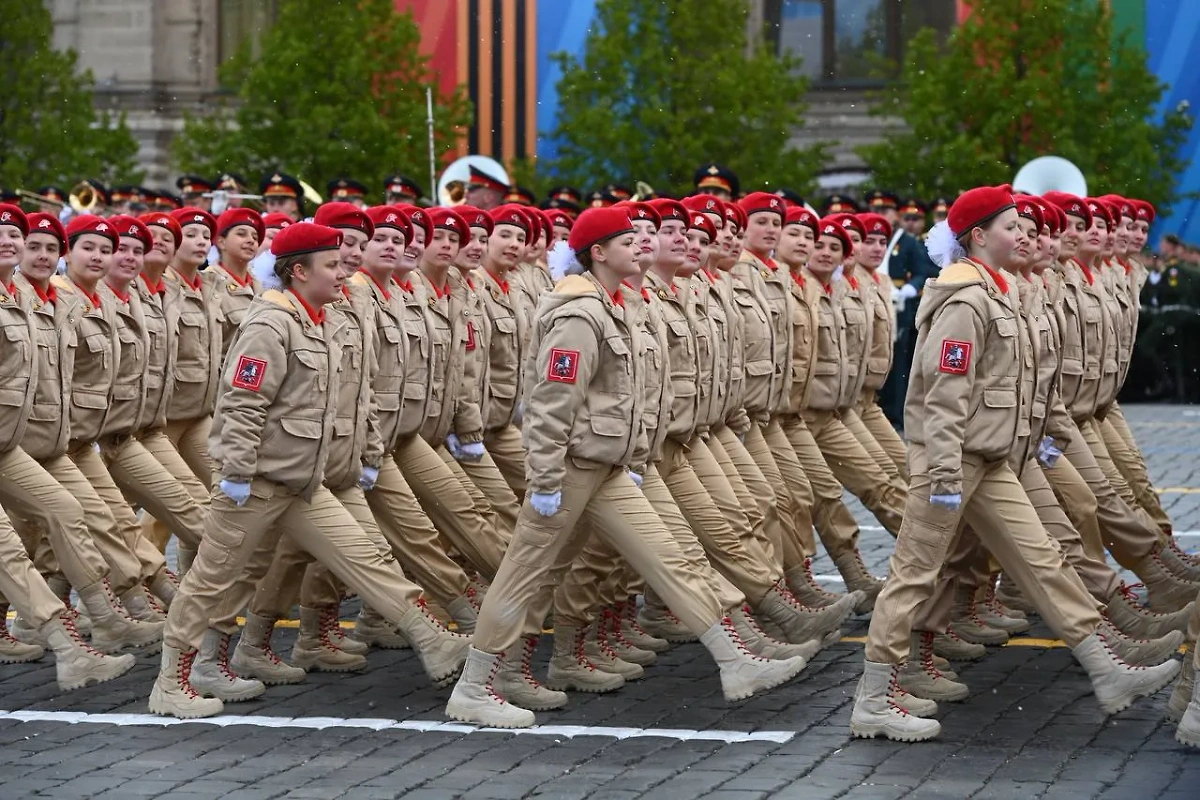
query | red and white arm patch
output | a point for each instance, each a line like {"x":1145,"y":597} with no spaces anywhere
{"x":249,"y":373}
{"x":956,"y":357}
{"x":564,"y":366}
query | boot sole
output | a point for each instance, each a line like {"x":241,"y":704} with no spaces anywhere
{"x":471,"y":719}
{"x":92,"y":680}
{"x":22,"y":659}
{"x":332,"y":667}
{"x":240,"y":697}
{"x":1187,"y":738}
{"x":163,"y":711}
{"x":572,"y":686}
{"x":381,"y":645}
{"x":746,"y":695}
{"x":863,"y":731}
{"x":997,"y":642}
{"x":1126,"y":700}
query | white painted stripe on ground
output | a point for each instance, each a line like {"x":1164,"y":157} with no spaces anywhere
{"x":423,"y":726}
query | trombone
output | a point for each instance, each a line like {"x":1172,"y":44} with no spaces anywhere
{"x":220,"y":199}
{"x":43,"y":202}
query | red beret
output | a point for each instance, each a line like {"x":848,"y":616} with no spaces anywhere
{"x":195,"y":216}
{"x":850,"y":223}
{"x":232,"y":217}
{"x":1099,"y":208}
{"x":417,"y":216}
{"x":90,"y":223}
{"x":132,"y":227}
{"x":12,"y":215}
{"x":450,"y":220}
{"x":1030,"y":208}
{"x":559,"y":218}
{"x":743,"y":219}
{"x":762,"y":201}
{"x":390,"y":217}
{"x":1143,"y":211}
{"x":705,"y":203}
{"x":1060,"y":218}
{"x":669,"y":210}
{"x":164,"y":220}
{"x":978,"y":206}
{"x":640,"y":211}
{"x":343,"y":215}
{"x":41,"y":222}
{"x":511,"y":214}
{"x":276,"y":220}
{"x":703,"y":222}
{"x":598,"y":225}
{"x":543,"y":223}
{"x":305,"y":237}
{"x":1124,"y":206}
{"x":476,"y":218}
{"x":799,"y":215}
{"x":831,"y":226}
{"x":1070,"y":204}
{"x":877,"y":224}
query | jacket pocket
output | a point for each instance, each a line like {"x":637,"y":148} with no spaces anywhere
{"x":759,"y":368}
{"x":125,"y":391}
{"x":343,"y":426}
{"x":318,"y":363}
{"x":300,"y":427}
{"x":190,"y":373}
{"x":999,"y":398}
{"x":609,"y":426}
{"x":505,"y":324}
{"x":12,"y":397}
{"x":89,"y":400}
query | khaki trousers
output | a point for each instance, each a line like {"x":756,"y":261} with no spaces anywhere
{"x":412,"y":537}
{"x":20,"y":583}
{"x":462,"y":516}
{"x":543,"y":548}
{"x":756,"y":496}
{"x":788,"y":499}
{"x":796,"y":482}
{"x":485,"y":481}
{"x":866,"y":438}
{"x":834,"y":522}
{"x":30,"y":491}
{"x":996,"y":507}
{"x":1118,"y":438}
{"x":323,"y":527}
{"x":189,"y":438}
{"x":855,"y":469}
{"x":881,"y":430}
{"x":1078,"y":503}
{"x":508,"y":451}
{"x":159,"y":445}
{"x":144,"y":481}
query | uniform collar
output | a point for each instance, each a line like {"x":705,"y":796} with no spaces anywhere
{"x":49,"y":296}
{"x":158,"y":288}
{"x":195,"y":287}
{"x":316,"y":315}
{"x":246,"y":283}
{"x":996,"y":276}
{"x":382,"y":289}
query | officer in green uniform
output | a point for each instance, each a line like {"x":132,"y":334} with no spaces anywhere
{"x":1170,"y":321}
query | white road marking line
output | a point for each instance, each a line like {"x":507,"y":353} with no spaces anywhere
{"x":423,"y":726}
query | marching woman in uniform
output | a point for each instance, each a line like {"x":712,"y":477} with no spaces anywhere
{"x":270,"y":444}
{"x":239,"y":230}
{"x":583,"y":426}
{"x":962,"y":417}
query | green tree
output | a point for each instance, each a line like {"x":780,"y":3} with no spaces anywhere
{"x":338,"y":91}
{"x":50,"y":132}
{"x":662,"y":87}
{"x":1024,"y":78}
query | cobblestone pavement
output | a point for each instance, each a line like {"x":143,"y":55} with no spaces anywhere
{"x":1029,"y":729}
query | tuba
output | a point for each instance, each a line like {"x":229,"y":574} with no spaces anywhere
{"x":452,"y":185}
{"x":1050,"y":174}
{"x":85,"y":198}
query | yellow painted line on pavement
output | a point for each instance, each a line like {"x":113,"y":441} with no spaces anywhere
{"x":1179,"y":490}
{"x":1016,"y":641}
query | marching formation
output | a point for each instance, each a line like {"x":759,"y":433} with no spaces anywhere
{"x":631,"y":422}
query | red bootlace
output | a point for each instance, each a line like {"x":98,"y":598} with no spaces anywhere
{"x":1132,"y":599}
{"x":926,"y":655}
{"x":185,"y":673}
{"x":527,"y":662}
{"x":727,"y":624}
{"x":581,"y":658}
{"x":223,"y":658}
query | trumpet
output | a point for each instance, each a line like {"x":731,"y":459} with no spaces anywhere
{"x":85,"y":198}
{"x":220,"y":199}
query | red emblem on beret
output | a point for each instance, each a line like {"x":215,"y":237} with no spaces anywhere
{"x":564,"y":366}
{"x":249,"y":373}
{"x":956,"y":357}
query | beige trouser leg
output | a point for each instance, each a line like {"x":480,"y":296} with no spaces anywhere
{"x":487,"y":485}
{"x":855,"y":468}
{"x":757,"y":446}
{"x":1127,"y":456}
{"x":450,"y":507}
{"x":142,"y":479}
{"x":323,"y":527}
{"x":796,"y":481}
{"x":578,"y":596}
{"x":709,"y":506}
{"x":881,"y":457}
{"x":966,"y":565}
{"x":159,"y":445}
{"x":834,"y":522}
{"x":543,"y":547}
{"x":413,"y":539}
{"x":881,"y":430}
{"x":189,"y":438}
{"x":278,"y":590}
{"x":20,"y":584}
{"x":1079,"y":504}
{"x":997,"y":508}
{"x":755,"y":495}
{"x":508,"y":451}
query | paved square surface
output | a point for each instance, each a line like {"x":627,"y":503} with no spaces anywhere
{"x":1029,"y":729}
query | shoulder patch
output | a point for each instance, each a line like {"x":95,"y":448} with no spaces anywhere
{"x":249,"y":373}
{"x":956,"y":357}
{"x":564,"y":366}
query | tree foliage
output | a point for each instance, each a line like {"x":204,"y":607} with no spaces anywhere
{"x":1024,"y":78}
{"x":662,"y":87}
{"x":50,"y":132}
{"x":338,"y":91}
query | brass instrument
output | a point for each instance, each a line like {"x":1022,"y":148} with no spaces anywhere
{"x":311,"y":195}
{"x":644,"y":191}
{"x":84,"y":198}
{"x":43,"y":202}
{"x":220,"y":199}
{"x":452,"y":186}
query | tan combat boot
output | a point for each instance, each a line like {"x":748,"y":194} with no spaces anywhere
{"x":442,"y":652}
{"x":572,"y":670}
{"x":516,"y":683}
{"x":13,"y":651}
{"x":1008,"y":594}
{"x":137,"y":604}
{"x":1133,"y":619}
{"x":112,"y":629}
{"x":1178,"y":704}
{"x":331,"y":629}
{"x":76,"y":664}
{"x":476,"y":701}
{"x":991,"y":613}
{"x":373,"y":630}
{"x":949,"y":645}
{"x":632,"y":630}
{"x":173,"y":694}
{"x":254,"y":658}
{"x":1188,"y":731}
{"x":1139,"y":652}
{"x":808,"y":591}
{"x":212,"y":676}
{"x":1116,"y":683}
{"x":464,"y":612}
{"x":314,"y":651}
{"x":614,"y":636}
{"x":965,"y":622}
{"x":1174,"y":562}
{"x":658,"y":621}
{"x":163,"y":587}
{"x":917,"y":706}
{"x":876,"y":710}
{"x":62,"y":590}
{"x":595,"y":647}
{"x":919,"y":677}
{"x":992,"y":599}
{"x":851,"y":567}
{"x":759,"y":643}
{"x":798,"y":623}
{"x":1168,"y":592}
{"x":744,"y":674}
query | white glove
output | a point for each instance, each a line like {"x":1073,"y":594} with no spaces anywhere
{"x":464,"y":452}
{"x":236,"y":491}
{"x":546,"y":504}
{"x":366,"y":481}
{"x":907,"y":291}
{"x":637,"y":479}
{"x":1047,"y":453}
{"x":949,"y":502}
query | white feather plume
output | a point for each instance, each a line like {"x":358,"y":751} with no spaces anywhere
{"x":943,"y":248}
{"x":562,"y":262}
{"x":262,"y":266}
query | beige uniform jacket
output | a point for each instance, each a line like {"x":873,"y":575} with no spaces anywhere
{"x":1048,"y":416}
{"x":54,"y":331}
{"x":18,"y":365}
{"x":531,"y":283}
{"x":445,"y":413}
{"x":133,"y":365}
{"x":806,"y":304}
{"x":472,"y":395}
{"x":508,"y":336}
{"x":1082,"y":340}
{"x":585,"y":398}
{"x":647,"y":313}
{"x":198,"y":347}
{"x":234,"y":297}
{"x":882,"y":316}
{"x":855,"y":299}
{"x":827,"y":383}
{"x":160,"y":311}
{"x":675,"y":301}
{"x":382,"y":308}
{"x":278,"y":397}
{"x":1120,"y":286}
{"x":356,"y":440}
{"x":964,"y":392}
{"x":94,"y":373}
{"x":710,"y":326}
{"x":418,"y":361}
{"x":771,"y":285}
